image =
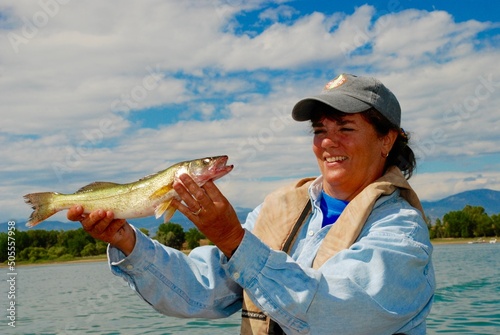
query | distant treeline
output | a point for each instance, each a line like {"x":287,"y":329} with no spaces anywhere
{"x":54,"y":245}
{"x":58,"y":245}
{"x":472,"y":221}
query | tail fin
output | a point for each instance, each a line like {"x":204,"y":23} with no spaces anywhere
{"x":42,"y":207}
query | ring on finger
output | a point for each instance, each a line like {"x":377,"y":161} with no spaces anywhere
{"x":197,"y":212}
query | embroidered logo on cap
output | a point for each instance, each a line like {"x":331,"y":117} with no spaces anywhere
{"x":335,"y":82}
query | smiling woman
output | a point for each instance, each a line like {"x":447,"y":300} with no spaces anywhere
{"x":180,"y":79}
{"x":314,"y":251}
{"x":346,"y":162}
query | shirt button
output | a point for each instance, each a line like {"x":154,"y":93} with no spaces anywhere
{"x":130,"y":267}
{"x":310,"y":233}
{"x":236,"y":276}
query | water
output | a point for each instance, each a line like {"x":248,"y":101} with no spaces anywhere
{"x":467,"y":299}
{"x":85,"y":298}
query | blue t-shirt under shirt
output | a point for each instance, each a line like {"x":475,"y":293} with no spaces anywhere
{"x":331,"y":208}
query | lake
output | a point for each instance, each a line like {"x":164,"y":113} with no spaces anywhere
{"x":85,"y":298}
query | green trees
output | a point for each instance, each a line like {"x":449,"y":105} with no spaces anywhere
{"x":472,"y":221}
{"x":193,"y":237}
{"x":53,"y":245}
{"x":36,"y":245}
{"x":171,"y":235}
{"x":40,"y":245}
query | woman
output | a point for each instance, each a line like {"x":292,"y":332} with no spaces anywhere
{"x":345,"y":253}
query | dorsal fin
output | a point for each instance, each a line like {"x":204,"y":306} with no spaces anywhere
{"x":149,"y":176}
{"x":97,"y":185}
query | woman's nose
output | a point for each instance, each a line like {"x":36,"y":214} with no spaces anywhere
{"x":330,"y":141}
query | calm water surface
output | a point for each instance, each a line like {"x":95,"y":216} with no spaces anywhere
{"x":86,"y":298}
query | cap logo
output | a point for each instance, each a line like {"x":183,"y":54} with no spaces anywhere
{"x":335,"y":82}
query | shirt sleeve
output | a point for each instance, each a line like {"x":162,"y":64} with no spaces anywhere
{"x":383,"y":283}
{"x":176,"y":284}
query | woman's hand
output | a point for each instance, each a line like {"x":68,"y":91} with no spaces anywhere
{"x":102,"y":226}
{"x":211,"y":212}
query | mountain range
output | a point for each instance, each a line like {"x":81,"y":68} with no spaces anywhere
{"x":488,"y":199}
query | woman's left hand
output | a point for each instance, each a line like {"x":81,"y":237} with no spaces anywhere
{"x":211,"y":212}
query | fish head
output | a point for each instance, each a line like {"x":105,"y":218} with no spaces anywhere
{"x":208,"y":168}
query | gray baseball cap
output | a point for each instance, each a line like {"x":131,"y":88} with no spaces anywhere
{"x":352,"y":94}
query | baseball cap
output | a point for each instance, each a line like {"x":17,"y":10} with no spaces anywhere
{"x":349,"y":93}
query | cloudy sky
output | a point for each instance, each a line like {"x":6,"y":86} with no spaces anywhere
{"x":115,"y":90}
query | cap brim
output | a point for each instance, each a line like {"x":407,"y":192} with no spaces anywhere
{"x":302,"y":111}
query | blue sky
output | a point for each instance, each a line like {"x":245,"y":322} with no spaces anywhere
{"x":117,"y":90}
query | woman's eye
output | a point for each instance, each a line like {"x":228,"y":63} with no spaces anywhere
{"x":318,"y":131}
{"x":346,"y":129}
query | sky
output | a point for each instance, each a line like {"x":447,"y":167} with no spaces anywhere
{"x":116,"y":90}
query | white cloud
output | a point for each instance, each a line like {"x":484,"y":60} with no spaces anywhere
{"x":435,"y":186}
{"x":71,"y":92}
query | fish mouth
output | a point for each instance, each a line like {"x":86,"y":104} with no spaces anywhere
{"x":219,"y":167}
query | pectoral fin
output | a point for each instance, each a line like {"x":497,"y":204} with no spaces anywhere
{"x":168,"y":214}
{"x":165,"y":207}
{"x":161,"y":192}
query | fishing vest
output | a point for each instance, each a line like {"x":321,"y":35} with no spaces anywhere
{"x":284,"y":212}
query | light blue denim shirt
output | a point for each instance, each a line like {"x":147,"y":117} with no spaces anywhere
{"x":383,"y":284}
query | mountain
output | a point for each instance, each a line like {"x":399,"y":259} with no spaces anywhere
{"x":150,"y":223}
{"x":488,"y":199}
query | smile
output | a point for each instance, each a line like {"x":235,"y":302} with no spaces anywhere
{"x":335,"y":159}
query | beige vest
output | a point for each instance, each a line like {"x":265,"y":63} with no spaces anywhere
{"x":285,"y":210}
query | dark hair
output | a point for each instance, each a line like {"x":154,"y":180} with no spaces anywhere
{"x":401,"y":155}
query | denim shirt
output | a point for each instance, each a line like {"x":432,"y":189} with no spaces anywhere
{"x":383,"y":284}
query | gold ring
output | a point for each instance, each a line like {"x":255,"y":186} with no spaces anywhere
{"x":197,"y":212}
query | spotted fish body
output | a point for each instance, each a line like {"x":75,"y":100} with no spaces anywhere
{"x":145,"y":197}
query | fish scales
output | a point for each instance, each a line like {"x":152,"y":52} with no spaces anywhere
{"x":147,"y":196}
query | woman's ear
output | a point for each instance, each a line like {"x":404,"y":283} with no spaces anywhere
{"x":388,"y":140}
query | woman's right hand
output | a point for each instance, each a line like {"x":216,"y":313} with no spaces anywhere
{"x":103,"y":226}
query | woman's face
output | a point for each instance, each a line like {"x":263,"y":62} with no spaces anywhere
{"x":350,"y":154}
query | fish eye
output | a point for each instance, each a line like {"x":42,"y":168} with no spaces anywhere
{"x":206,"y":161}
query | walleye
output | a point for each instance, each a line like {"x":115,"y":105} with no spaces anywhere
{"x":147,"y":196}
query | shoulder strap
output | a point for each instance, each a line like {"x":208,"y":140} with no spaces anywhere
{"x":282,"y":215}
{"x":300,"y":222}
{"x":350,"y":223}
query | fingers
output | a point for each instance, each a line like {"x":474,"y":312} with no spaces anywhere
{"x":75,"y":213}
{"x":94,"y":223}
{"x":194,"y":197}
{"x":97,"y":221}
{"x":102,"y":225}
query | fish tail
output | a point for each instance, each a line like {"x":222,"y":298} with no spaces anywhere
{"x":43,"y":207}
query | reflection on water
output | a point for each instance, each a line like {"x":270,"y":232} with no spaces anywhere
{"x":85,"y":298}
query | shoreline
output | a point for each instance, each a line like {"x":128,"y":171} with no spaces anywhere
{"x":460,"y":240}
{"x":104,"y":258}
{"x":90,"y":259}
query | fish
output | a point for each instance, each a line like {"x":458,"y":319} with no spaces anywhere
{"x":149,"y":195}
